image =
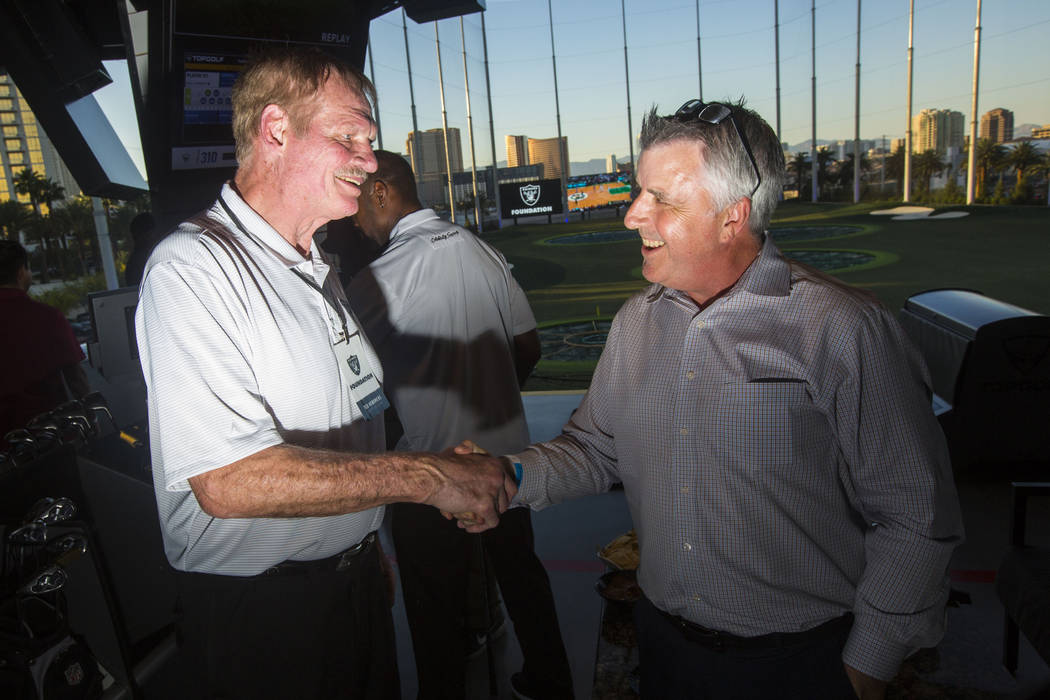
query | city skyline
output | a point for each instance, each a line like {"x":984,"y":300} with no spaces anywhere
{"x":737,"y":60}
{"x":590,"y":57}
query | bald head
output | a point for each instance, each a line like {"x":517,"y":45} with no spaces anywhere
{"x":388,"y":195}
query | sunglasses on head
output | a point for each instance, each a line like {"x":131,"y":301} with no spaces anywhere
{"x":716,"y":113}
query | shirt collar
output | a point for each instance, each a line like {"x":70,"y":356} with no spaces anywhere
{"x":263,"y":233}
{"x":768,"y":275}
{"x":412,"y":220}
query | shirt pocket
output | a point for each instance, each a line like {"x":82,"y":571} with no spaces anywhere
{"x":758,"y":421}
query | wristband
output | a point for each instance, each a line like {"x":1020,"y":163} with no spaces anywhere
{"x":517,"y":473}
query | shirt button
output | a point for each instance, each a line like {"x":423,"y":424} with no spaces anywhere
{"x":696,"y":597}
{"x":686,"y":546}
{"x":685,"y":489}
{"x":690,"y":374}
{"x":684,"y":431}
{"x":699,"y":324}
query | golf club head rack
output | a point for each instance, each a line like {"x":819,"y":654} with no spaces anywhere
{"x":68,"y":559}
{"x":77,"y":422}
{"x":43,"y":649}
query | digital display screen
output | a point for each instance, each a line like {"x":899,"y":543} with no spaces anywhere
{"x":205,"y":129}
{"x":207,"y":91}
{"x":527,"y":198}
{"x":214,"y":41}
{"x":592,"y":191}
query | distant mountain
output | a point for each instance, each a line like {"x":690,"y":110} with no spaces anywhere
{"x":587,"y":167}
{"x":1024,"y":130}
{"x":804,"y":145}
{"x":591,"y":167}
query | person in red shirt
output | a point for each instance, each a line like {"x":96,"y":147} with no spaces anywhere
{"x":40,"y":360}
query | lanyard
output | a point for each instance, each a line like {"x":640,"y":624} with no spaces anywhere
{"x":323,"y":291}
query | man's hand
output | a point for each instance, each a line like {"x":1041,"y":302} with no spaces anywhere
{"x":475,"y":488}
{"x":866,"y":687}
{"x":469,"y":448}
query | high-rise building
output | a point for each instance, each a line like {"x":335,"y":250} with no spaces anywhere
{"x":610,"y":164}
{"x":25,"y":145}
{"x":547,"y":152}
{"x":1041,"y":132}
{"x":997,"y":125}
{"x":844,"y":149}
{"x":896,"y":144}
{"x":517,"y":151}
{"x":426,"y":153}
{"x":937,"y":130}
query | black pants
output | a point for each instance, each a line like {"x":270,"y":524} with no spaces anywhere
{"x":306,"y":633}
{"x":432,"y":556}
{"x":673,"y":667}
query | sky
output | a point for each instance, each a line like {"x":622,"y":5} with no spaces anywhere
{"x":737,"y":60}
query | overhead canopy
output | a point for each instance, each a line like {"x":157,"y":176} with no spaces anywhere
{"x":54,"y":49}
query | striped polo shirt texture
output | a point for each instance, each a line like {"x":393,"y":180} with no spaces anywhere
{"x":237,"y":353}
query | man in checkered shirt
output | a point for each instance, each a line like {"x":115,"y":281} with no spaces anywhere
{"x":772,"y":429}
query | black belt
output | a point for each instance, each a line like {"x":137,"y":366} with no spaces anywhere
{"x":720,"y":641}
{"x":336,"y":562}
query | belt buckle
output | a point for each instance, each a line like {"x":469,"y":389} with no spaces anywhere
{"x":347,"y":557}
{"x":716,"y":639}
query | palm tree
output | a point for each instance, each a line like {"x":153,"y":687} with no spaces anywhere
{"x":988,"y":159}
{"x":75,"y":218}
{"x":32,"y":184}
{"x":824,"y":159}
{"x":799,"y":165}
{"x":12,"y":217}
{"x":926,"y":165}
{"x":51,"y":192}
{"x":894,"y":165}
{"x":845,"y":171}
{"x":42,"y":192}
{"x":466,"y":205}
{"x":36,"y":229}
{"x":1022,"y":158}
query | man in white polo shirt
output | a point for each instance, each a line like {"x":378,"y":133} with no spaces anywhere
{"x":457,"y":338}
{"x":265,"y":400}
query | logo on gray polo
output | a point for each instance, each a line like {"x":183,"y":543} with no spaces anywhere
{"x":530,"y":194}
{"x":355,"y":365}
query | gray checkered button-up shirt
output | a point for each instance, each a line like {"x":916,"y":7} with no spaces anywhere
{"x":780,"y":459}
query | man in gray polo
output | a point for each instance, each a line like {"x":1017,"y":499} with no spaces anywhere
{"x":265,"y":404}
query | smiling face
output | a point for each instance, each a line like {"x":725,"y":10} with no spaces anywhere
{"x":688,"y":244}
{"x":322,"y":170}
{"x":684,"y":243}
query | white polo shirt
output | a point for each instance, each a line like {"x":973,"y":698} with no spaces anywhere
{"x":442,"y":309}
{"x":237,"y":352}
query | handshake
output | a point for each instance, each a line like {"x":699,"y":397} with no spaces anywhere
{"x":474,"y":487}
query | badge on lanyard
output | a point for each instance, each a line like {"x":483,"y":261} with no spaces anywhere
{"x":358,"y":376}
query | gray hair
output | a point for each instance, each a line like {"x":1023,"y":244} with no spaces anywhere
{"x":290,"y":77}
{"x":729,"y":172}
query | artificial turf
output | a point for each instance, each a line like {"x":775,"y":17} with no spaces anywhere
{"x":1001,"y":251}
